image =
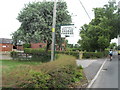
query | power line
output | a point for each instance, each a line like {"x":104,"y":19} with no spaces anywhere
{"x":85,"y":9}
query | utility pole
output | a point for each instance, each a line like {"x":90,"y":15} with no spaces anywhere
{"x":119,"y":17}
{"x":53,"y":32}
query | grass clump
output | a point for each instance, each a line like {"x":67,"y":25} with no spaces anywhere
{"x":61,"y":73}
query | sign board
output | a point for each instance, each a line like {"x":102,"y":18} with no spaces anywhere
{"x":67,"y":31}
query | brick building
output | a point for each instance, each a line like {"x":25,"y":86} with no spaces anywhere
{"x":38,"y":45}
{"x":6,"y":44}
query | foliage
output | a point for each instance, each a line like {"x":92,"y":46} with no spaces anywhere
{"x":37,"y":80}
{"x":118,"y":47}
{"x":34,"y":51}
{"x":31,"y":55}
{"x":99,"y":32}
{"x":95,"y":54}
{"x":72,"y":53}
{"x":26,"y":45}
{"x":41,"y":52}
{"x":13,"y":54}
{"x":41,"y":55}
{"x":112,"y":45}
{"x":36,"y":22}
{"x":60,"y":73}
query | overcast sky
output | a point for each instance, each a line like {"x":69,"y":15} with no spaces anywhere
{"x":9,"y":10}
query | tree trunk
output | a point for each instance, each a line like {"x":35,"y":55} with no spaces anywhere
{"x":48,"y":46}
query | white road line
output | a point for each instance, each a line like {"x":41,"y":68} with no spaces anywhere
{"x":93,"y":80}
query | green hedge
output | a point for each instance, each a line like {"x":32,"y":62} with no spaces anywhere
{"x":13,"y":54}
{"x":72,"y":53}
{"x":41,"y":55}
{"x":31,"y":54}
{"x":34,"y":51}
{"x":95,"y":54}
{"x":61,"y":73}
{"x":26,"y":45}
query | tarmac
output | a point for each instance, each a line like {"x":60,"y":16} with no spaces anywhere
{"x":90,"y":67}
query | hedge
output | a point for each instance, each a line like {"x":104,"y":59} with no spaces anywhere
{"x":41,"y":55}
{"x":95,"y":54}
{"x":72,"y":53}
{"x":41,"y":52}
{"x":61,"y":73}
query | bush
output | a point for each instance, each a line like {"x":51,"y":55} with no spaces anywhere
{"x":41,"y":52}
{"x":72,"y":53}
{"x":32,"y":54}
{"x":34,"y":51}
{"x":60,"y":73}
{"x":27,"y":45}
{"x":95,"y":54}
{"x":13,"y":54}
{"x":37,"y":80}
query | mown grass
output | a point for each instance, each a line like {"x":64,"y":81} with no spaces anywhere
{"x":7,"y":65}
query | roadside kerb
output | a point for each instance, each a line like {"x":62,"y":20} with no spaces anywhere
{"x":93,"y":80}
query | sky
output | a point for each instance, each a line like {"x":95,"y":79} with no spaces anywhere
{"x":10,"y":9}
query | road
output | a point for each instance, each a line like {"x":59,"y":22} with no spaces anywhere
{"x":108,"y":77}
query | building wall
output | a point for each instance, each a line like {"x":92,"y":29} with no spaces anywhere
{"x":20,"y":47}
{"x":38,"y":45}
{"x":6,"y":47}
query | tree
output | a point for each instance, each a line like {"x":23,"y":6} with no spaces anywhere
{"x":36,"y":22}
{"x":118,"y":47}
{"x":112,"y":45}
{"x":99,"y":32}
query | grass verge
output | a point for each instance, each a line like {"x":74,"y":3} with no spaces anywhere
{"x":61,"y":73}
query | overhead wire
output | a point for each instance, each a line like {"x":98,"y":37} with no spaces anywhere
{"x":85,"y":9}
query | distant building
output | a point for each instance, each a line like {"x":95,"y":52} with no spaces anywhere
{"x":38,"y":45}
{"x":6,"y":44}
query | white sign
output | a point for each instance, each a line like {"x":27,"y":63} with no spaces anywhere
{"x":67,"y":31}
{"x":4,"y":46}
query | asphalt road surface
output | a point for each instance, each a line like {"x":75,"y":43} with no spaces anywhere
{"x":108,"y":77}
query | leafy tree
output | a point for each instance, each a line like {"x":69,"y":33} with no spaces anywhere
{"x":99,"y":32}
{"x":36,"y":22}
{"x":112,"y":45}
{"x":118,"y":47}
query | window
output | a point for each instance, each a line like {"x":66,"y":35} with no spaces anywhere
{"x":40,"y":46}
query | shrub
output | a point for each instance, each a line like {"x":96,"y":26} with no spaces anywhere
{"x":26,"y":45}
{"x":37,"y":80}
{"x":35,"y":55}
{"x":94,"y":54}
{"x":34,"y":51}
{"x":13,"y":54}
{"x":60,"y":73}
{"x":72,"y":53}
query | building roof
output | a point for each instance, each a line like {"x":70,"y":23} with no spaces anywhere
{"x":5,"y":41}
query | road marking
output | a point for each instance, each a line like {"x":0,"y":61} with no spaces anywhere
{"x":93,"y":80}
